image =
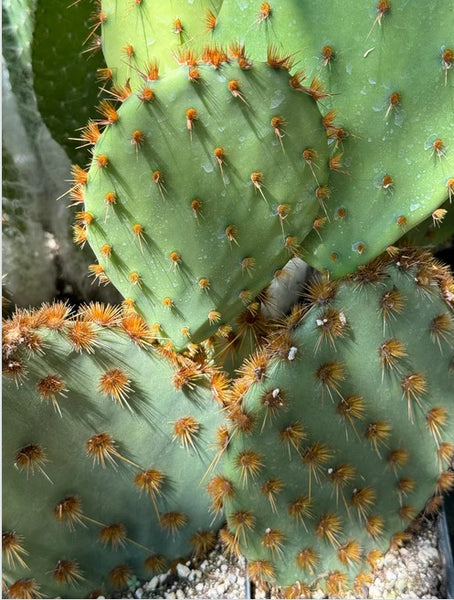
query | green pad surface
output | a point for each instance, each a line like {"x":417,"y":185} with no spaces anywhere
{"x":326,"y":416}
{"x":207,"y":237}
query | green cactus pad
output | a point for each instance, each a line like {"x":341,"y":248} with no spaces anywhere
{"x":105,"y":447}
{"x":391,"y":133}
{"x":196,"y":195}
{"x":65,"y":70}
{"x":138,"y":36}
{"x":346,"y":428}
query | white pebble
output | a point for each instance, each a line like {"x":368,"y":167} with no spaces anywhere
{"x":183,"y":570}
{"x":292,"y":353}
{"x":204,"y":565}
{"x":181,"y":594}
{"x":199,"y":587}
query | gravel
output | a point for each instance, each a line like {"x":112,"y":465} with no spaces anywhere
{"x":415,"y":570}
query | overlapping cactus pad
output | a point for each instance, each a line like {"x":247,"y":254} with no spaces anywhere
{"x":106,"y":441}
{"x":386,"y":86}
{"x":139,"y":36}
{"x":343,"y":427}
{"x":202,"y":185}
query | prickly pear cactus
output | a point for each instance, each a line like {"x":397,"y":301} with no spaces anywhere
{"x":200,"y":187}
{"x":107,"y":439}
{"x":140,"y":37}
{"x":343,"y":427}
{"x":387,"y":105}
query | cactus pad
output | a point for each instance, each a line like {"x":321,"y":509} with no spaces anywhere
{"x":106,"y":442}
{"x":200,"y":188}
{"x":343,"y":428}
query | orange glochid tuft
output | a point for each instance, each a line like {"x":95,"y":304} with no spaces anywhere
{"x":307,"y":558}
{"x":24,"y":588}
{"x":363,"y":499}
{"x":116,"y":384}
{"x":328,"y":54}
{"x":155,"y":563}
{"x":29,"y":458}
{"x":101,"y":447}
{"x":261,"y":571}
{"x":300,"y":508}
{"x":102,"y":161}
{"x":351,"y":408}
{"x":276,"y":60}
{"x":185,"y":430}
{"x":97,"y":271}
{"x":108,"y":111}
{"x":350,"y":553}
{"x":120,"y":575}
{"x":375,"y":525}
{"x":146,"y":94}
{"x":273,"y":540}
{"x":106,"y":315}
{"x":377,"y":433}
{"x":48,"y":387}
{"x":270,"y":489}
{"x":83,"y":335}
{"x":414,"y":387}
{"x":249,"y":464}
{"x":391,"y":352}
{"x":397,"y":459}
{"x":336,"y":584}
{"x":230,"y":542}
{"x":374,"y":558}
{"x":292,"y":435}
{"x":445,"y":452}
{"x":202,"y":542}
{"x":330,"y":375}
{"x":69,"y":511}
{"x":13,"y":550}
{"x":445,"y":482}
{"x":113,"y":535}
{"x":219,"y":488}
{"x":438,"y":148}
{"x":210,"y":20}
{"x":329,"y":527}
{"x":173,"y":521}
{"x":55,"y":315}
{"x":136,"y":328}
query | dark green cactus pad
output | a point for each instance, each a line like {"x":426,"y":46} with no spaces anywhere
{"x":435,"y":231}
{"x":391,"y":132}
{"x":139,"y":36}
{"x":199,"y":190}
{"x":346,"y":428}
{"x":105,"y":447}
{"x":66,"y":56}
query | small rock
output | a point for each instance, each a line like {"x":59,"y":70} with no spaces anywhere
{"x":162,"y":578}
{"x":182,"y":570}
{"x":429,"y":554}
{"x":152,"y":584}
{"x":224,"y":568}
{"x":199,"y":587}
{"x":181,"y":594}
{"x":220,"y":589}
{"x":204,"y":565}
{"x":232,"y":578}
{"x":138,"y":593}
{"x":169,"y":595}
{"x":390,"y":576}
